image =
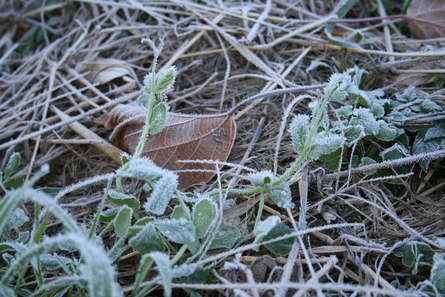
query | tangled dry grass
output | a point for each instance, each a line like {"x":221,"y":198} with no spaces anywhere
{"x":80,"y":55}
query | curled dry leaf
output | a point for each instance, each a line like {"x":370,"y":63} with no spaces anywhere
{"x":103,"y":71}
{"x":427,"y":18}
{"x":185,"y":137}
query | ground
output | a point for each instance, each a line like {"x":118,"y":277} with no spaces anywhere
{"x":78,"y":56}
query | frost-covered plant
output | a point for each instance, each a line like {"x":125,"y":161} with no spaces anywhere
{"x":357,"y":118}
{"x":347,"y":125}
{"x":94,"y":274}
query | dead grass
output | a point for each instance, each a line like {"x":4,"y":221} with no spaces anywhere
{"x":49,"y":57}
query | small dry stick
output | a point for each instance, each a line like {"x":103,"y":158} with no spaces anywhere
{"x":106,"y":147}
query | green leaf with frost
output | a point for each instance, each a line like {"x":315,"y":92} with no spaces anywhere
{"x":109,"y":214}
{"x":264,"y":227}
{"x":438,"y":272}
{"x":125,"y":158}
{"x":409,"y":95}
{"x":225,"y":237}
{"x":123,"y":220}
{"x":183,"y":270}
{"x":143,"y":99}
{"x":179,"y":212}
{"x":281,"y":194}
{"x":159,"y":118}
{"x":261,"y":178}
{"x":377,"y":110}
{"x":345,"y":111}
{"x":394,"y":152}
{"x":121,"y":199}
{"x":282,"y":247}
{"x":364,"y":117}
{"x":332,"y":160}
{"x":6,"y":291}
{"x":13,"y":164}
{"x":144,"y":169}
{"x":299,"y":130}
{"x":387,"y":132}
{"x":163,"y":191}
{"x":165,"y":79}
{"x":16,"y":219}
{"x":414,"y":253}
{"x":337,"y":87}
{"x":13,"y":246}
{"x":358,"y":95}
{"x":422,"y":146}
{"x":315,"y":64}
{"x":314,"y":106}
{"x":204,"y":216}
{"x":353,"y":133}
{"x":324,"y":144}
{"x":368,"y":161}
{"x":147,"y":240}
{"x":53,"y":262}
{"x":177,"y":230}
{"x":428,"y":106}
{"x":97,"y":270}
{"x":437,"y":131}
{"x":162,"y":266}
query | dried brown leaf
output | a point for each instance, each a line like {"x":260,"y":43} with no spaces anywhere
{"x":427,"y":18}
{"x":185,"y":137}
{"x":102,"y":71}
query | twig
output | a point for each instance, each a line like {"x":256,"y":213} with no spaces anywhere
{"x":106,"y":147}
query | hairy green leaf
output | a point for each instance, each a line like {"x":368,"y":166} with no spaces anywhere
{"x":282,"y":247}
{"x":159,"y":118}
{"x":204,"y":215}
{"x":147,"y":240}
{"x":299,"y":129}
{"x":437,"y":272}
{"x":162,"y":193}
{"x":123,"y":220}
{"x":121,"y":199}
{"x":177,"y":230}
{"x":225,"y":237}
{"x":162,"y":265}
{"x":13,"y":164}
{"x":16,"y":219}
